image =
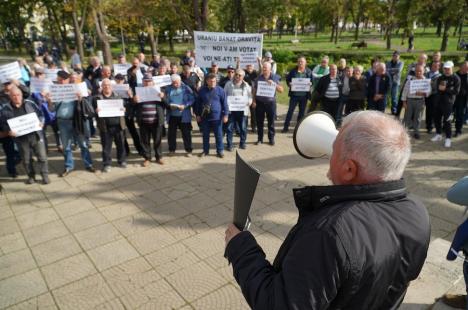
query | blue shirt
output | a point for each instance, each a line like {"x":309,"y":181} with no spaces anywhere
{"x":216,"y":98}
{"x":184,"y":97}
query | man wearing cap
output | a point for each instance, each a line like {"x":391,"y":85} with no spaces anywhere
{"x":29,"y":144}
{"x":111,"y":129}
{"x":229,"y":76}
{"x":297,"y":97}
{"x":179,"y":99}
{"x":156,"y":62}
{"x":71,"y":121}
{"x":268,"y":58}
{"x":448,"y":86}
{"x":212,"y":112}
{"x":394,"y":69}
{"x":196,"y":69}
{"x":150,"y":118}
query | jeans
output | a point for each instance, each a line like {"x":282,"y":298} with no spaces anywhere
{"x":116,"y":134}
{"x":394,"y":97}
{"x":11,"y":154}
{"x":28,"y":145}
{"x":236,"y":118}
{"x":293,"y":102}
{"x":341,"y":106}
{"x":186,"y":129}
{"x":217,"y":127}
{"x":67,"y":135}
{"x":148,"y":131}
{"x":267,"y":109}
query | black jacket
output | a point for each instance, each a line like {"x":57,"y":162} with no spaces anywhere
{"x":353,"y":247}
{"x":101,"y":121}
{"x":452,"y":83}
{"x":323,"y":83}
{"x":384,"y":86}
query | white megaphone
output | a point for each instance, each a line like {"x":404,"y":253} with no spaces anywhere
{"x":314,"y":135}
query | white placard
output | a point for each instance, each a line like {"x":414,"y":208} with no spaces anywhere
{"x":248,"y":59}
{"x":10,"y":71}
{"x":300,"y":84}
{"x":264,"y":89}
{"x":149,"y":93}
{"x":24,"y":124}
{"x":162,"y":80}
{"x":121,"y":68}
{"x":51,"y":74}
{"x":225,"y":48}
{"x":139,"y":77}
{"x":63,"y":92}
{"x":423,"y":85}
{"x":38,"y":85}
{"x":121,"y":90}
{"x":110,"y":108}
{"x":82,"y":88}
{"x":237,"y":103}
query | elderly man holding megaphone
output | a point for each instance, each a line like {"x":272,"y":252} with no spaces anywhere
{"x":357,"y":243}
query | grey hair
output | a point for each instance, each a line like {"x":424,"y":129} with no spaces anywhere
{"x":377,"y":142}
{"x":175,"y":77}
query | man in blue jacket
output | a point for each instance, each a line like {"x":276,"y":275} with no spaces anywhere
{"x":394,"y":69}
{"x":212,"y":112}
{"x":378,"y":86}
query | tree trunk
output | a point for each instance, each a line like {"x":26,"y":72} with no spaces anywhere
{"x":62,"y":32}
{"x":337,"y":31}
{"x":388,"y":34}
{"x":439,"y":28}
{"x":77,"y":27}
{"x":150,"y":30}
{"x":445,"y":36}
{"x":332,"y":36}
{"x":102,"y":33}
{"x":196,"y":14}
{"x":171,"y":41}
{"x":204,"y":14}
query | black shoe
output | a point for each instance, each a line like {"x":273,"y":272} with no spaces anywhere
{"x":457,"y":134}
{"x":242,"y":146}
{"x":417,"y":136}
{"x":285,"y":130}
{"x":229,"y":149}
{"x":203,"y":154}
{"x":258,"y":142}
{"x":91,"y":169}
{"x":66,"y":172}
{"x":220,"y":155}
{"x":45,"y":180}
{"x":30,"y":180}
{"x":13,"y":175}
{"x":429,"y":131}
{"x":272,"y":142}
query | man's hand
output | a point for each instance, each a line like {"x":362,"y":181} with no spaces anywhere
{"x":136,"y":99}
{"x":161,"y":95}
{"x":198,"y":119}
{"x":253,"y":105}
{"x":405,"y":105}
{"x":181,"y":107}
{"x":225,"y":119}
{"x":231,"y":232}
{"x":271,"y":82}
{"x":11,"y":133}
{"x":78,"y":96}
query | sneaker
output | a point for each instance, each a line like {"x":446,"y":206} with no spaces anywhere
{"x":13,"y":175}
{"x":454,"y":301}
{"x":45,"y":180}
{"x":106,"y":169}
{"x":242,"y":146}
{"x":188,"y":154}
{"x":229,"y":148}
{"x":436,"y":138}
{"x":220,"y":155}
{"x":30,"y":180}
{"x":258,"y":142}
{"x":66,"y":172}
{"x":458,"y":133}
{"x":146,"y":163}
{"x":448,"y":142}
{"x":203,"y":154}
{"x":91,"y":169}
{"x":123,"y":165}
{"x":160,"y":161}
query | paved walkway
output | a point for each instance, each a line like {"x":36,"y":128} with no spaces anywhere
{"x":141,"y":238}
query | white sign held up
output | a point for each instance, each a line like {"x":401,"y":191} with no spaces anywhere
{"x":63,"y":92}
{"x":121,"y":68}
{"x":121,"y":90}
{"x":38,"y":85}
{"x":225,"y":48}
{"x":147,"y":94}
{"x":264,"y":89}
{"x":248,"y":59}
{"x":82,"y":88}
{"x":300,"y":84}
{"x":10,"y":71}
{"x":24,"y":124}
{"x":51,"y":74}
{"x":110,"y":108}
{"x":237,"y":103}
{"x":423,"y":86}
{"x":162,"y":80}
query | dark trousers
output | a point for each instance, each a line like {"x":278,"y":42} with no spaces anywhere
{"x":148,"y":131}
{"x":113,"y":134}
{"x":330,"y":106}
{"x":11,"y":154}
{"x":354,"y":105}
{"x":293,"y":102}
{"x":261,"y":110}
{"x":130,"y":123}
{"x":29,"y":146}
{"x":186,"y":129}
{"x":459,"y":109}
{"x":253,"y":119}
{"x":55,"y":129}
{"x":430,"y":102}
{"x":442,"y":117}
{"x":378,"y":105}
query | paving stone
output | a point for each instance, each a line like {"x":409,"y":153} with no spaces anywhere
{"x":206,"y":244}
{"x":97,"y":236}
{"x":171,"y":259}
{"x":112,"y":254}
{"x":86,"y":293}
{"x":135,"y":223}
{"x":227,"y":297}
{"x":21,"y":287}
{"x":151,"y":240}
{"x":74,"y":207}
{"x":11,"y":243}
{"x":37,"y":218}
{"x":16,"y":263}
{"x":54,"y":250}
{"x":68,"y":270}
{"x":45,"y":232}
{"x":42,"y":302}
{"x":84,"y":220}
{"x":114,"y":304}
{"x":119,"y":210}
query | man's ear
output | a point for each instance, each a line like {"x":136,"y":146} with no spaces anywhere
{"x":349,"y":171}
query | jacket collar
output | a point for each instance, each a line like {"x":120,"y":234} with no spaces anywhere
{"x":312,"y":198}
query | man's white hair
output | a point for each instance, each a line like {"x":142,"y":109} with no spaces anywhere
{"x":175,"y":77}
{"x":377,"y":142}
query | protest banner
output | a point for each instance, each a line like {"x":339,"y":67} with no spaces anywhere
{"x":121,"y":90}
{"x":38,"y":85}
{"x":121,"y":68}
{"x":110,"y":108}
{"x":51,"y":74}
{"x":225,"y":48}
{"x":237,"y":103}
{"x":423,"y":86}
{"x":147,"y":94}
{"x":10,"y":71}
{"x":162,"y":80}
{"x":264,"y":89}
{"x":63,"y":92}
{"x":300,"y":84}
{"x":24,"y":124}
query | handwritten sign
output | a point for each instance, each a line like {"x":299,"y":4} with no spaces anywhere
{"x":38,"y":85}
{"x":10,"y":71}
{"x":121,"y":90}
{"x":121,"y":68}
{"x":225,"y":48}
{"x":63,"y":92}
{"x":51,"y":73}
{"x":162,"y":80}
{"x":264,"y":89}
{"x":24,"y":124}
{"x":110,"y":108}
{"x":149,"y":93}
{"x":423,"y":86}
{"x":300,"y":84}
{"x":237,"y":103}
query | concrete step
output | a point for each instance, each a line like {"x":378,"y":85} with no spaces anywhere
{"x":437,"y":277}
